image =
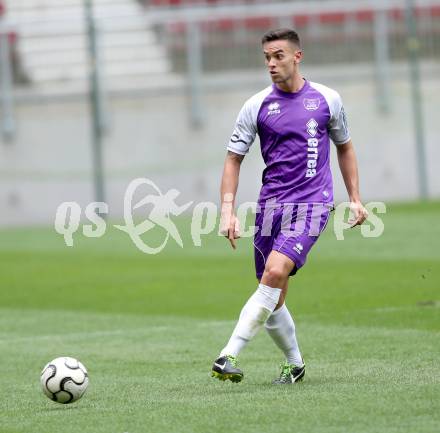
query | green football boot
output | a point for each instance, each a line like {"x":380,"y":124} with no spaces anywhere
{"x":290,"y":374}
{"x":225,"y":368}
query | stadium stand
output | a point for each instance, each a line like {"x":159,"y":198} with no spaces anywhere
{"x":54,"y":47}
{"x":140,"y":51}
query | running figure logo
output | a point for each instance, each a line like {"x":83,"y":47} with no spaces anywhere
{"x":164,"y":205}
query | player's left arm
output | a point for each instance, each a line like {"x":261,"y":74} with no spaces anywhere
{"x":349,"y":169}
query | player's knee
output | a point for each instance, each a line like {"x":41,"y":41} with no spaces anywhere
{"x":274,"y":275}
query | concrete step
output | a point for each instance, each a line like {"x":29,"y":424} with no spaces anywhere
{"x":81,"y":71}
{"x":23,"y":5}
{"x":153,"y":83}
{"x":109,"y":55}
{"x":74,"y":12}
{"x":40,"y":44}
{"x":126,"y":13}
{"x":76,"y":27}
{"x":53,"y":42}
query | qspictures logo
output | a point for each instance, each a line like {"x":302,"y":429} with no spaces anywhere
{"x":157,"y":209}
{"x":164,"y":206}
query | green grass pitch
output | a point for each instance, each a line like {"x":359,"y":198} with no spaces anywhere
{"x":148,"y":328}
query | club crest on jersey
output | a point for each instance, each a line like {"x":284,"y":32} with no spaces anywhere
{"x":311,"y":104}
{"x":273,"y":108}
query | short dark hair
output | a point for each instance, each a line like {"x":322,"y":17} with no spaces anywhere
{"x":283,"y":34}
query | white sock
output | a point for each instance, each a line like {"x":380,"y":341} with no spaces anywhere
{"x":252,"y":317}
{"x":281,"y":328}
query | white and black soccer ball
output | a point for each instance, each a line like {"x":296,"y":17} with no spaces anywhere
{"x":64,"y":380}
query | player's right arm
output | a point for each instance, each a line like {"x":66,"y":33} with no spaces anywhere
{"x":228,"y":191}
{"x":241,"y":140}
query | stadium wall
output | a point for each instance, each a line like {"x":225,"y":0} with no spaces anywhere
{"x":150,"y":136}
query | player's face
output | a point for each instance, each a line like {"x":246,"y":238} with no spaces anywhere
{"x":282,"y":59}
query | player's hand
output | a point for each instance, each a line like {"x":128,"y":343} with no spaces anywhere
{"x":230,"y":228}
{"x":358,"y":212}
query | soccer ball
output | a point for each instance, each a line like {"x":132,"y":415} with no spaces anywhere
{"x":64,"y":380}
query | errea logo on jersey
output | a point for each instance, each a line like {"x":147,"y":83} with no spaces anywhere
{"x":312,"y":127}
{"x":312,"y":148}
{"x":298,"y":247}
{"x":273,"y":108}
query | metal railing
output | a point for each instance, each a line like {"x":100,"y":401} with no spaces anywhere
{"x":6,"y":84}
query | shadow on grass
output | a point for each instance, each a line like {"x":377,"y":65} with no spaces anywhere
{"x":58,"y":407}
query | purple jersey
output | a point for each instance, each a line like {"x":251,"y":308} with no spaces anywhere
{"x":295,"y":131}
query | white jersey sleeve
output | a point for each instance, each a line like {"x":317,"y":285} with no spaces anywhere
{"x":245,"y":129}
{"x":337,"y":125}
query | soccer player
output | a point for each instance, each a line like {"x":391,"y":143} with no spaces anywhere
{"x":295,"y":120}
